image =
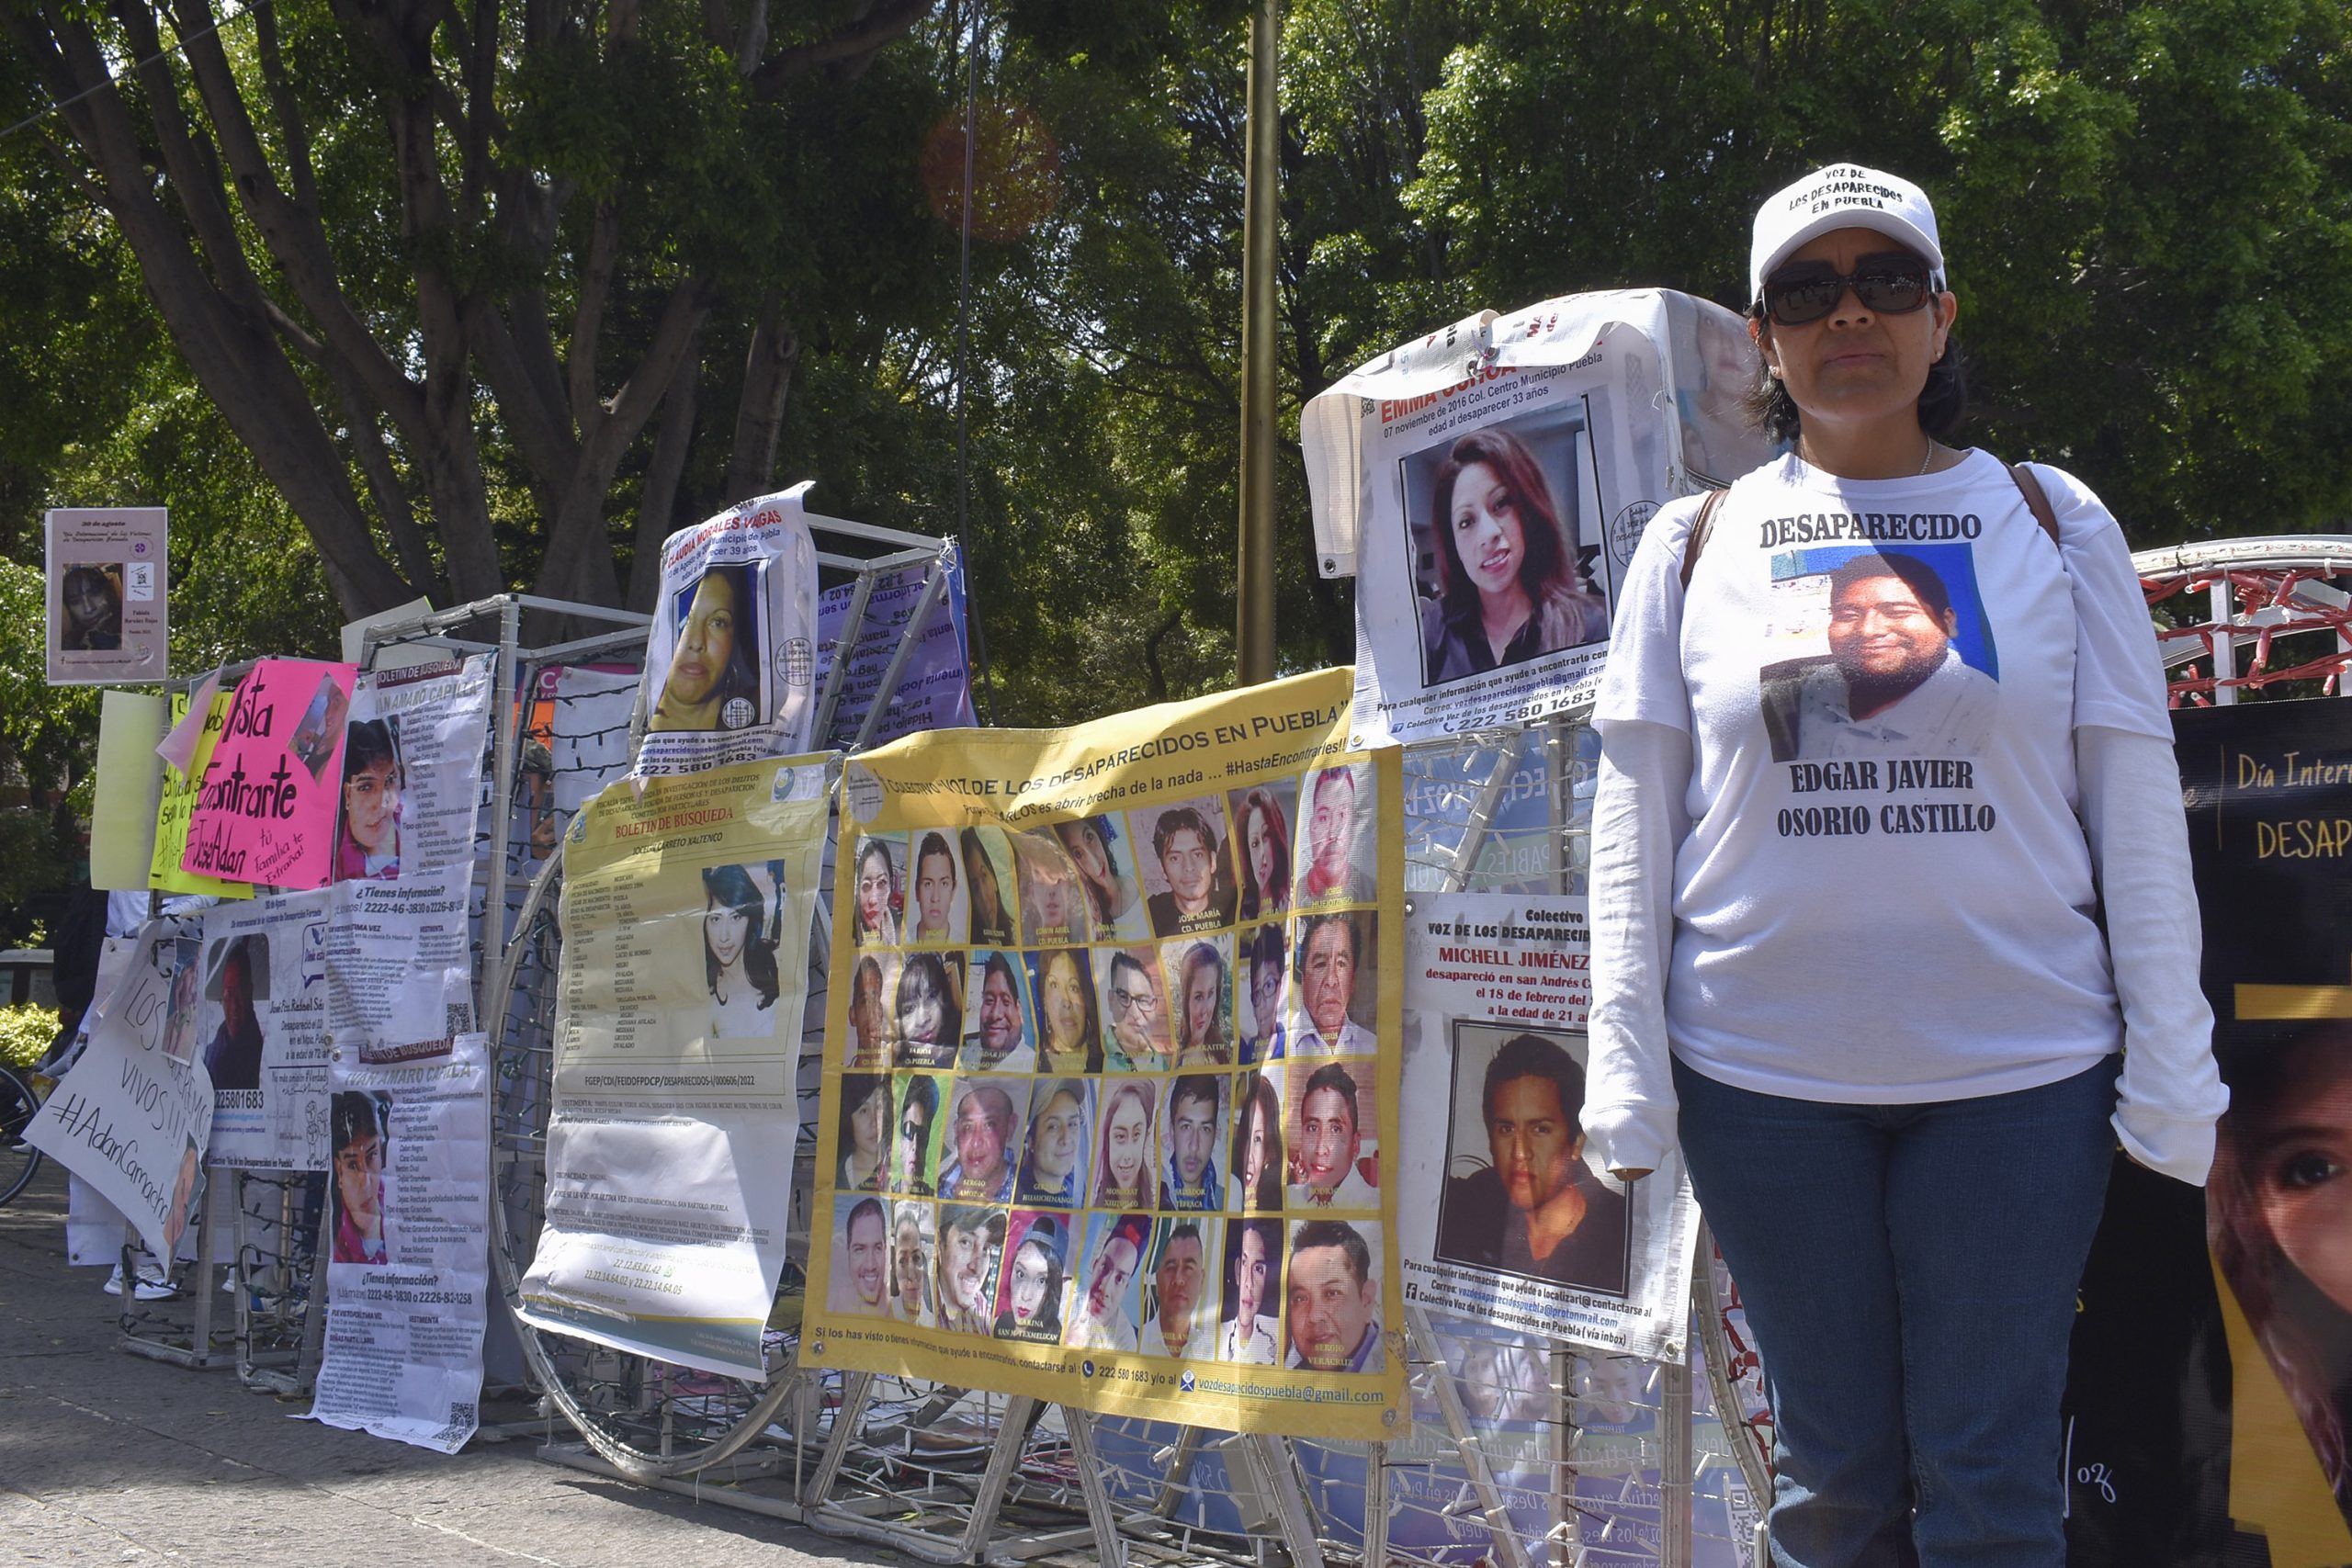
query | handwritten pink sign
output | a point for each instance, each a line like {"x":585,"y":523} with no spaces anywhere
{"x":266,"y":810}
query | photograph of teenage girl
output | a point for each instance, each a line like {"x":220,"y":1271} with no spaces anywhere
{"x":864,"y":1132}
{"x":367,"y":847}
{"x":876,"y":889}
{"x":986,"y":864}
{"x":1113,"y":900}
{"x":93,"y":604}
{"x":1030,"y":1294}
{"x":714,"y":679}
{"x":1257,"y":1160}
{"x":1262,"y":834}
{"x":1053,"y":906}
{"x":931,"y":1018}
{"x":1124,"y":1174}
{"x":2279,"y":1215}
{"x":739,"y":930}
{"x":359,"y":1123}
{"x":869,"y":1019}
{"x":1202,"y":989}
{"x":1508,"y":589}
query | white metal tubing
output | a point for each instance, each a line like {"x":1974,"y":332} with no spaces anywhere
{"x":2225,"y":662}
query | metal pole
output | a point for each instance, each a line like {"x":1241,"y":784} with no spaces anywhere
{"x":1254,"y":577}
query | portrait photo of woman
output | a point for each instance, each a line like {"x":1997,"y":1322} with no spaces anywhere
{"x":1123,"y":1173}
{"x":2279,"y":1215}
{"x":939,"y":913}
{"x":987,"y":865}
{"x":1508,"y":588}
{"x":876,"y":888}
{"x":1257,"y":1160}
{"x":714,"y":680}
{"x":367,"y":848}
{"x":931,"y":1020}
{"x":1031,"y":1302}
{"x":863,"y":1135}
{"x":1200,"y":981}
{"x":1050,"y":1165}
{"x":739,"y":930}
{"x":869,"y":1016}
{"x":1053,"y":905}
{"x":358,"y":1122}
{"x":93,"y":601}
{"x":1114,"y":901}
{"x":1069,"y":1025}
{"x":1262,"y":840}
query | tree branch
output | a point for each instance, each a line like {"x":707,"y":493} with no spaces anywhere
{"x":879,"y":23}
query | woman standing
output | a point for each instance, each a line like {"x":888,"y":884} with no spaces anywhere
{"x":1506,"y":580}
{"x":1886,"y":1019}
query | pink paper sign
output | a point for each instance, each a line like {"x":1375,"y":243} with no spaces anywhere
{"x":266,"y":811}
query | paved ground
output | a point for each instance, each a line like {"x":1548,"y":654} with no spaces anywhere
{"x":110,"y":1458}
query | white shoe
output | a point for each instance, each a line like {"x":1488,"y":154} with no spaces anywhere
{"x":150,"y":1288}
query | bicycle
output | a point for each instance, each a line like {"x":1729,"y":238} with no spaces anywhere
{"x":18,"y":1159}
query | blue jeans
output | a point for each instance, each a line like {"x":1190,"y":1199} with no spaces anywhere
{"x":1909,"y":1272}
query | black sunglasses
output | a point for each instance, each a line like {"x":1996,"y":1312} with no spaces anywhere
{"x":1890,"y":285}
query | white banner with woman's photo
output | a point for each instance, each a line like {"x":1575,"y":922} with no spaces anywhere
{"x":730,"y":660}
{"x":1499,"y":1216}
{"x":133,"y":1118}
{"x":1486,"y":485}
{"x":412,"y":769}
{"x":109,"y":594}
{"x":407,"y":1245}
{"x":686,"y":917}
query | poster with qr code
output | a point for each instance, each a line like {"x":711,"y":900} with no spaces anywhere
{"x":400,"y":975}
{"x":406,"y":1231}
{"x":109,"y":595}
{"x":730,"y":660}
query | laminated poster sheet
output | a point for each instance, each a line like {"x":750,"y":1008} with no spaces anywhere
{"x":129,"y":792}
{"x":1500,"y":1218}
{"x":178,"y":805}
{"x":109,"y":595}
{"x":412,"y":770}
{"x":1110,"y":1112}
{"x":407,"y":1243}
{"x":129,"y":1118}
{"x":2210,"y":1389}
{"x":934,"y":689}
{"x":686,"y":915}
{"x":731,"y":662}
{"x":261,"y":1030}
{"x":265,"y":811}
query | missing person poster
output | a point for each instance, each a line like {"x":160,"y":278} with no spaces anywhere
{"x":261,"y":1030}
{"x":266,"y":810}
{"x":1110,"y":1109}
{"x":1486,"y":486}
{"x":412,"y":770}
{"x":686,"y":915}
{"x":129,"y":1118}
{"x":178,"y":805}
{"x":407,"y":1243}
{"x":109,"y":595}
{"x":2210,"y":1389}
{"x":399,"y":967}
{"x":934,"y":687}
{"x":1500,"y":1217}
{"x":731,"y":663}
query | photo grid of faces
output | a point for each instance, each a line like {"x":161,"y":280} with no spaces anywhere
{"x":1108,"y":1084}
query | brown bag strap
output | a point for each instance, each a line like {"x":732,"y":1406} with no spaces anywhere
{"x":1698,"y":539}
{"x":2036,"y":500}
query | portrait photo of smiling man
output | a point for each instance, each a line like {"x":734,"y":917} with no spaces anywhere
{"x":1191,"y":881}
{"x":1906,"y":670}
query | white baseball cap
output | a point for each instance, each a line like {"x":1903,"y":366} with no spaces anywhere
{"x":1843,"y":196}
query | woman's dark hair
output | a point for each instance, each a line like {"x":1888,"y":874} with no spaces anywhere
{"x":732,"y":887}
{"x":1090,"y":1023}
{"x":856,"y":1089}
{"x":1256,"y":900}
{"x":1943,"y":402}
{"x":869,"y":850}
{"x":1049,"y":1315}
{"x":1097,"y":898}
{"x":367,"y":741}
{"x":1545,"y":564}
{"x":1198,"y":956}
{"x":1265,"y":1103}
{"x":978,"y":867}
{"x":355,"y":1112}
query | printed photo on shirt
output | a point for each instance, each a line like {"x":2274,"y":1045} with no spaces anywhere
{"x":1518,"y":1197}
{"x":1878,"y":653}
{"x":1499,"y":569}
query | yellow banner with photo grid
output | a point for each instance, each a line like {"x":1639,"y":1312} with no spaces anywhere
{"x":1110,"y":1085}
